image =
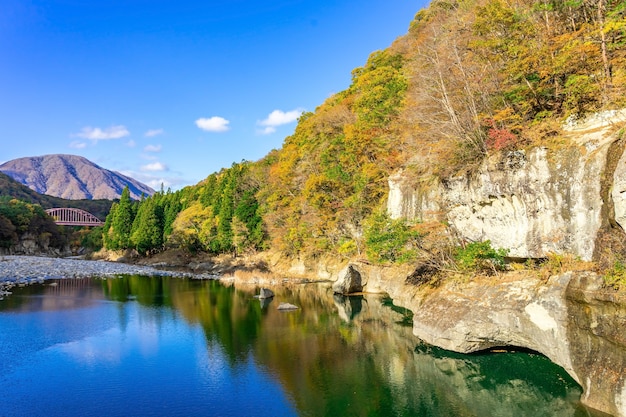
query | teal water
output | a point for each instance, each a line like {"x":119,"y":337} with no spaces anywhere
{"x":140,"y":346}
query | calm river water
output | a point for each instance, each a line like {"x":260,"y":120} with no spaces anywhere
{"x":141,"y":346}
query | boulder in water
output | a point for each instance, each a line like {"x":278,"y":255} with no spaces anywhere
{"x":287,"y":306}
{"x":266,"y":293}
{"x":349,"y":281}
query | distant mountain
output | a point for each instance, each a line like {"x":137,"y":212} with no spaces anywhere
{"x":13,"y":189}
{"x":71,"y":177}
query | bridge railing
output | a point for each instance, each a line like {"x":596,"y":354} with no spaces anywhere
{"x":73,"y":217}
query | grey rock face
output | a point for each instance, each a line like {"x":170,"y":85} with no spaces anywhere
{"x":531,"y":203}
{"x":618,"y":191}
{"x":572,"y":320}
{"x":349,"y":281}
{"x":72,"y":177}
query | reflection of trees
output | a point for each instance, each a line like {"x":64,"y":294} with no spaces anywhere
{"x":363,"y":361}
{"x":149,"y":291}
{"x":227,"y":316}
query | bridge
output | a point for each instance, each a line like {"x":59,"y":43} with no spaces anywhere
{"x":73,"y":217}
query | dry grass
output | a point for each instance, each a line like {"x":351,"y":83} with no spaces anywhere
{"x":556,"y":264}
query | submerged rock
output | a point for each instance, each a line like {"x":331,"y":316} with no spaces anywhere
{"x":266,"y":293}
{"x":287,"y":306}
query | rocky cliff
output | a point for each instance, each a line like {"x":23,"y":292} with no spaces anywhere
{"x":572,"y":320}
{"x":531,"y":202}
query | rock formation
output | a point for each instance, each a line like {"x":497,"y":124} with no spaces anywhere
{"x":533,"y":203}
{"x":349,"y":281}
{"x":530,"y":202}
{"x":266,"y":293}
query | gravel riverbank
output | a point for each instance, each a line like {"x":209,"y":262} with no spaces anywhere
{"x":22,"y":270}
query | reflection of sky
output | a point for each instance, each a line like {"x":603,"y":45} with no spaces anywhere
{"x":92,"y":350}
{"x":146,"y":361}
{"x":139,"y":335}
{"x":125,"y":358}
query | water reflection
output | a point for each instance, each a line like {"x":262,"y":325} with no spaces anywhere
{"x":334,"y":356}
{"x":348,"y":307}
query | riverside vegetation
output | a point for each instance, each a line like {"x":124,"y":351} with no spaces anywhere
{"x":470,"y":78}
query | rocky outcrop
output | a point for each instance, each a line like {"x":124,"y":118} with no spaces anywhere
{"x":31,"y":244}
{"x":287,"y":307}
{"x":595,"y":332}
{"x":266,"y":293}
{"x":348,"y":282}
{"x":618,"y":191}
{"x":572,"y":320}
{"x":532,"y":202}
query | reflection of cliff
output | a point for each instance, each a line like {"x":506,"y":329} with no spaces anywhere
{"x":352,"y":356}
{"x":509,"y":384}
{"x":333,"y":356}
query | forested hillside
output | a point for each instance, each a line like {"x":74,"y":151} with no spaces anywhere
{"x":13,"y":189}
{"x":470,"y":78}
{"x":22,"y":214}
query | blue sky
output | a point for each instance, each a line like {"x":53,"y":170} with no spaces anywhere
{"x":170,"y":91}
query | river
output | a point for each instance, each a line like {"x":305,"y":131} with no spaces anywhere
{"x":159,"y":346}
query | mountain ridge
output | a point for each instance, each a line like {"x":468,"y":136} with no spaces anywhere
{"x":72,"y":177}
{"x":12,"y":189}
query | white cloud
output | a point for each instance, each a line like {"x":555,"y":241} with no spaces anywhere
{"x":213,"y":124}
{"x":131,"y":143}
{"x":152,"y":148}
{"x":155,"y":166}
{"x":278,"y":118}
{"x":95,"y":133}
{"x":77,"y":144}
{"x":154,"y":132}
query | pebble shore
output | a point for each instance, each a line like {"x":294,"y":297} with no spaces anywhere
{"x":24,"y":270}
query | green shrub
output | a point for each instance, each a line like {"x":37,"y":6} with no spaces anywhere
{"x":616,"y":276}
{"x":480,"y":257}
{"x":389,"y":240}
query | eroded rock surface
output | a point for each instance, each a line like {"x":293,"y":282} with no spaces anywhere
{"x":532,"y":202}
{"x":572,"y":320}
{"x":349,"y":281}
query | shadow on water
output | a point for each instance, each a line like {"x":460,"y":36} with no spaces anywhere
{"x":335,"y":355}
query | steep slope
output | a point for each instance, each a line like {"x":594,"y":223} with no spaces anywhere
{"x":71,"y":177}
